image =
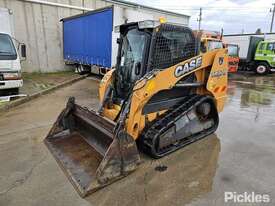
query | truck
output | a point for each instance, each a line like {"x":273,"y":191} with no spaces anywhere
{"x":90,"y":40}
{"x":10,"y":68}
{"x":210,"y":40}
{"x":256,"y":53}
{"x":233,"y":57}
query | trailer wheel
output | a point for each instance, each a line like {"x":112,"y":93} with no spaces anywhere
{"x":262,"y":68}
{"x":80,"y":69}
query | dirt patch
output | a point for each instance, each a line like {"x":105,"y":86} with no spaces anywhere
{"x":36,"y":82}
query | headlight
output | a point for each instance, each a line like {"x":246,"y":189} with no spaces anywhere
{"x":12,"y":75}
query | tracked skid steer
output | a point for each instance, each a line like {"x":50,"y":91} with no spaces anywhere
{"x":162,"y":96}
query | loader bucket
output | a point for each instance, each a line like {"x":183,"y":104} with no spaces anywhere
{"x":85,"y":147}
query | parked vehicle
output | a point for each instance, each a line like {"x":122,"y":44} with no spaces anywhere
{"x":209,"y":44}
{"x":233,"y":57}
{"x":264,"y":56}
{"x":256,"y":53}
{"x":163,"y":95}
{"x":90,"y":40}
{"x":210,"y":40}
{"x":10,"y":68}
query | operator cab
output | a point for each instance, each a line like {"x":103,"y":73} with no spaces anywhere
{"x":209,"y":44}
{"x":233,"y":50}
{"x":147,"y":46}
{"x":266,"y":47}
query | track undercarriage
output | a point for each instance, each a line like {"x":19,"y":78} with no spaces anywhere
{"x":191,"y":120}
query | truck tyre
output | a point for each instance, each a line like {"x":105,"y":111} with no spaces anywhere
{"x":262,"y":68}
{"x":80,"y":69}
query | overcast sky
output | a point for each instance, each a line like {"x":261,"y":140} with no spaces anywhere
{"x":234,"y":16}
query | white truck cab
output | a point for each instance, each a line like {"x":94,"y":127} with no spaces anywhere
{"x":10,"y":68}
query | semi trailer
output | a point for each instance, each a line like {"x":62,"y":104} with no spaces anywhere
{"x":87,"y":40}
{"x":90,"y":40}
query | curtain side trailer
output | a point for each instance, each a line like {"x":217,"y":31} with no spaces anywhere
{"x":89,"y":39}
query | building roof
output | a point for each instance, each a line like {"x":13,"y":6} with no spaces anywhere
{"x":135,"y":5}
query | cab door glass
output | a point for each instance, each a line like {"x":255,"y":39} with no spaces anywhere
{"x":270,"y":53}
{"x":271,"y":48}
{"x":7,"y":49}
{"x":261,"y":48}
{"x":214,"y":45}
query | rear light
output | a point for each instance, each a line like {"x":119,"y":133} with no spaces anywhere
{"x":216,"y":89}
{"x":224,"y":88}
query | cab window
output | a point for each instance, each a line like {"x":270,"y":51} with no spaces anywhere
{"x":261,"y":47}
{"x":233,"y":50}
{"x":271,"y":46}
{"x":214,"y":45}
{"x":203,"y":47}
{"x":7,"y":49}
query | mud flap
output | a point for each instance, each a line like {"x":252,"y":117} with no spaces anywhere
{"x":86,"y":148}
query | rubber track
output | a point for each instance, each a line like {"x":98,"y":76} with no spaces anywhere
{"x":163,"y":122}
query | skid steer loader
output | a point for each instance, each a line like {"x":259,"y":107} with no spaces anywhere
{"x":162,"y":96}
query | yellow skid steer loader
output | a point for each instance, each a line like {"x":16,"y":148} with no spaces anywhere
{"x":162,"y":96}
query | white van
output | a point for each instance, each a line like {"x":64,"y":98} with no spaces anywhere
{"x":10,"y":68}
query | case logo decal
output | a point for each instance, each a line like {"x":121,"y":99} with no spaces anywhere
{"x":188,"y":67}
